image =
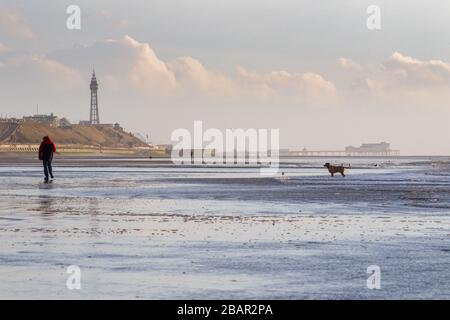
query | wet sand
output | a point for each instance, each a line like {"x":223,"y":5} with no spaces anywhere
{"x":165,"y":232}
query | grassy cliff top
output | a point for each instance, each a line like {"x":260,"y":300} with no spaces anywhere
{"x":32,"y":133}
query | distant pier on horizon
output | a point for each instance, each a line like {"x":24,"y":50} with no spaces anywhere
{"x":382,"y":149}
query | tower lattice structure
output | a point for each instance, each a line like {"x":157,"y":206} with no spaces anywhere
{"x":94,"y":117}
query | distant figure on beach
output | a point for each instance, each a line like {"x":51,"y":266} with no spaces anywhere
{"x":335,"y":169}
{"x":46,"y":150}
{"x":283,"y":177}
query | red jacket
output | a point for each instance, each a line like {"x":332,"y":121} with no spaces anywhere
{"x":46,"y":149}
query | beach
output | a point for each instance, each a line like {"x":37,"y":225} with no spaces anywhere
{"x":143,"y":229}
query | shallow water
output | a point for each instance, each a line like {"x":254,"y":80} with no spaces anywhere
{"x":161,"y":231}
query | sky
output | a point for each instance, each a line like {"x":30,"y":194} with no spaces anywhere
{"x":312,"y":69}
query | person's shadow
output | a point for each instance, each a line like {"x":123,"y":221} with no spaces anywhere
{"x":44,"y":185}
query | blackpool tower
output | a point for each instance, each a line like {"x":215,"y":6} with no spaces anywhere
{"x":94,"y":118}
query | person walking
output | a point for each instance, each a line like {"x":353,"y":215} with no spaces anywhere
{"x":46,"y":151}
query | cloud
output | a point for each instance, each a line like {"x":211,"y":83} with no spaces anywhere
{"x":15,"y":25}
{"x":126,"y":62}
{"x":144,"y":68}
{"x":302,"y":88}
{"x":408,"y":71}
{"x":348,"y":63}
{"x":30,"y":79}
{"x":40,"y":65}
{"x":192,"y":76}
{"x":36,"y":74}
{"x":402,"y":80}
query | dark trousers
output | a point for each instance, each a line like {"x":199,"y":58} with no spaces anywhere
{"x":47,"y":168}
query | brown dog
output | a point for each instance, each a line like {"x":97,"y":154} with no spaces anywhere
{"x":335,"y":169}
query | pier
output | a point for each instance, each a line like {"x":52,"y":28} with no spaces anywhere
{"x":382,"y":149}
{"x":343,"y":153}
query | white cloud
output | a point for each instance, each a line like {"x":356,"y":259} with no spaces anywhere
{"x":34,"y":73}
{"x":39,"y":65}
{"x":14,"y":24}
{"x":145,"y":69}
{"x":413,"y":72}
{"x":348,"y":63}
{"x":303,"y":88}
{"x":192,"y":76}
{"x":404,"y":81}
{"x":126,"y":62}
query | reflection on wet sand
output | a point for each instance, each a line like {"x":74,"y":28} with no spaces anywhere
{"x":209,"y":233}
{"x":45,"y":205}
